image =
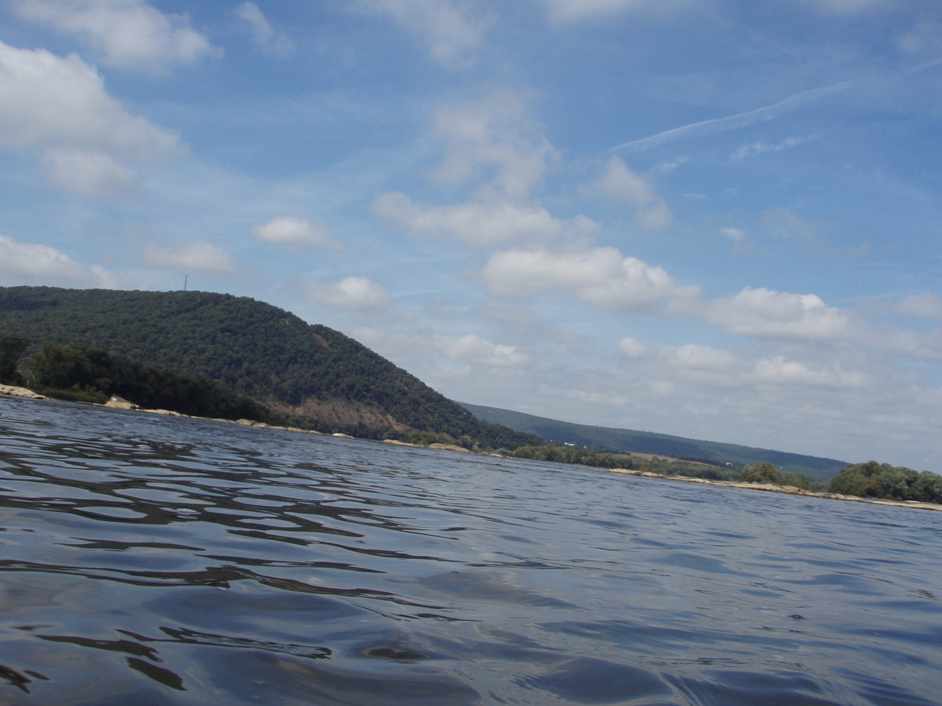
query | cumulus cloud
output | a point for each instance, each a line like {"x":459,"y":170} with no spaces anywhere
{"x":766,"y":313}
{"x":38,"y":264}
{"x":737,"y":235}
{"x":451,"y":30}
{"x":474,"y":350}
{"x":48,"y":100}
{"x":127,"y":34}
{"x":357,"y":293}
{"x":86,"y":173}
{"x":59,"y":106}
{"x":481,"y":222}
{"x":782,"y":371}
{"x":191,"y":256}
{"x":571,"y":11}
{"x":599,"y":276}
{"x":493,"y":146}
{"x":495,"y":138}
{"x":923,"y":306}
{"x":294,"y":231}
{"x":621,"y":184}
{"x":263,"y":33}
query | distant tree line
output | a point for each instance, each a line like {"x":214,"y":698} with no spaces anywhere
{"x":574,"y":455}
{"x":767,"y":473}
{"x":880,"y":480}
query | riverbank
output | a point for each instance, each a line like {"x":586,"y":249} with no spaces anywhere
{"x":123,"y":405}
{"x":782,"y":489}
{"x":19,"y":393}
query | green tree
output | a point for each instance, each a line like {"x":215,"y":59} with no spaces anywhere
{"x":11,"y":351}
{"x":762,"y":473}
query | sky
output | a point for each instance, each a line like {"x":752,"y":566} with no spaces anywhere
{"x":713,"y":218}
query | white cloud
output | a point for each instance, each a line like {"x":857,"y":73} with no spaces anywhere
{"x":194,"y":256}
{"x":59,"y":106}
{"x":737,"y":235}
{"x":358,"y":293}
{"x":493,"y":137}
{"x":701,"y":358}
{"x":766,"y":313}
{"x":37,"y":264}
{"x":567,"y":11}
{"x":128,"y":34}
{"x":781,"y":371}
{"x":87,"y":173}
{"x":924,"y":306}
{"x":48,"y":100}
{"x":474,"y":350}
{"x":294,"y":231}
{"x":620,"y":183}
{"x":599,"y":276}
{"x":481,"y":222}
{"x":632,"y":347}
{"x":452,"y":30}
{"x":265,"y":36}
{"x":756,"y":149}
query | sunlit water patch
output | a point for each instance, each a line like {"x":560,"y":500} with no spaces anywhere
{"x":172,"y":561}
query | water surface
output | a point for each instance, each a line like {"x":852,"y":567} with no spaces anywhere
{"x":171,"y":561}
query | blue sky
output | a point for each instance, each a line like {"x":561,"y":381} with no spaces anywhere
{"x":714,"y":218}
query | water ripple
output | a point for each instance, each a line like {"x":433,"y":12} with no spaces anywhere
{"x":174,"y":561}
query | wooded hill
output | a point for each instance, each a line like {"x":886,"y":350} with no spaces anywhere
{"x":312,"y":374}
{"x":643,"y":442}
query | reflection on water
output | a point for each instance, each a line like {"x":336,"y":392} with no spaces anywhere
{"x":171,"y":561}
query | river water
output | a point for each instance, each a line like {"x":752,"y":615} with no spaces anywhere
{"x":147,"y":560}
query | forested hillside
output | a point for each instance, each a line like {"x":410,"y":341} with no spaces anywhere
{"x":310,"y":372}
{"x":627,"y":440}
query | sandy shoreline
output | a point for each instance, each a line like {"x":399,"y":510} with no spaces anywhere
{"x":19,"y":392}
{"x":27,"y":394}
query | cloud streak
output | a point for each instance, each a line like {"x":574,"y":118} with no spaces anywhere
{"x":736,"y":121}
{"x":766,"y":113}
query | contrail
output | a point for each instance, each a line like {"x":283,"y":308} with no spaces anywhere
{"x":738,"y":121}
{"x":732,"y":122}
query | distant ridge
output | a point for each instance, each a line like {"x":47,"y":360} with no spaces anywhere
{"x":308,"y":372}
{"x":608,"y":439}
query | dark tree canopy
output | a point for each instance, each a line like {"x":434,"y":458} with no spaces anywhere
{"x":94,"y":376}
{"x":311,"y":373}
{"x":11,"y":352}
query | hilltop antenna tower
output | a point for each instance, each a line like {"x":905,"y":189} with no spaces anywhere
{"x":186,"y":282}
